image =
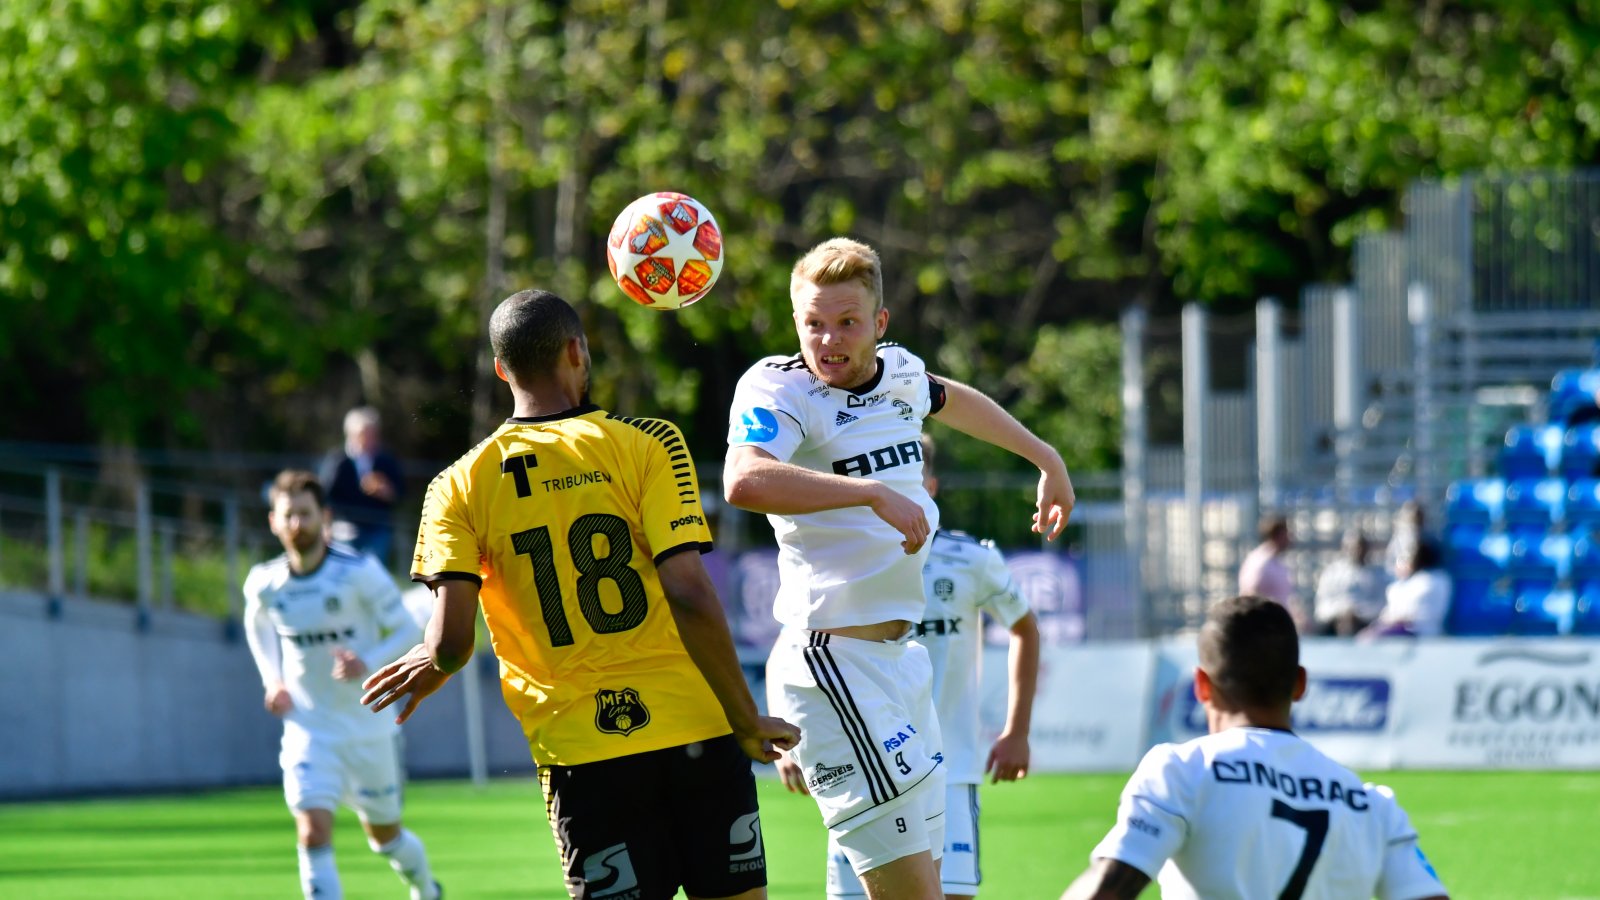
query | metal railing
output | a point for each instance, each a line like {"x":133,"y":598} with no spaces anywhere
{"x":158,"y":545}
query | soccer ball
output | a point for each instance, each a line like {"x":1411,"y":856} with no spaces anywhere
{"x":665,"y":250}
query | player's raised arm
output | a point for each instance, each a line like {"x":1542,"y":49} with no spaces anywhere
{"x":445,"y":649}
{"x":755,"y":480}
{"x":970,"y":411}
{"x":699,"y":617}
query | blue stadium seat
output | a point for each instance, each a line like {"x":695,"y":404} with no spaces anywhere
{"x":1570,"y":389}
{"x":1580,"y":452}
{"x":1538,"y":502}
{"x":1481,"y":607}
{"x":1544,"y":612}
{"x":1472,"y":553}
{"x":1479,"y":501}
{"x":1586,"y":554}
{"x":1531,"y":451}
{"x":1538,"y":563}
{"x":1583,"y":502}
{"x":1586,"y":612}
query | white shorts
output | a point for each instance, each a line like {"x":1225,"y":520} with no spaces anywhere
{"x":320,"y":773}
{"x":958,"y":873}
{"x":868,"y":733}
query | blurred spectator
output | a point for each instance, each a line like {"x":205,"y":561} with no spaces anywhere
{"x":1264,"y":573}
{"x":1417,"y":602}
{"x":1408,"y":529}
{"x":1349,"y":591}
{"x":363,"y":482}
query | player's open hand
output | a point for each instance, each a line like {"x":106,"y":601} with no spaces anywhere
{"x":412,"y":675}
{"x":278,"y":701}
{"x":904,"y":514}
{"x":1008,"y":758}
{"x":765,"y":737}
{"x":790,"y":773}
{"x":1055,"y":502}
{"x":346,"y":665}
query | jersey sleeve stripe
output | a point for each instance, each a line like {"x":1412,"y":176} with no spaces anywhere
{"x":668,"y":435}
{"x":448,"y":576}
{"x":1164,"y":808}
{"x":702,"y":546}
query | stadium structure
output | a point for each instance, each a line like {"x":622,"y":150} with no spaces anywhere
{"x":1444,"y":373}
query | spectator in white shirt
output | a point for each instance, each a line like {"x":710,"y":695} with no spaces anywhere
{"x":1349,"y":590}
{"x":1417,"y":602}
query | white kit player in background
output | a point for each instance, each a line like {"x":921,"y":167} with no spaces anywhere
{"x":963,"y":579}
{"x":827,"y":444}
{"x":317,"y":619}
{"x":1252,"y":810}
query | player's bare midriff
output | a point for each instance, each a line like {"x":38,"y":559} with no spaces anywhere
{"x":892,"y":630}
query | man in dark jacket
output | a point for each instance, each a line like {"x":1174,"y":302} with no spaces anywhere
{"x":364,"y":482}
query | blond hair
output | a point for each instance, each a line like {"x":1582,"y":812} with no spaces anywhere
{"x":837,"y":261}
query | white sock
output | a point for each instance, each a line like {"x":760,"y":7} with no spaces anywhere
{"x":319,"y":878}
{"x":410,"y":861}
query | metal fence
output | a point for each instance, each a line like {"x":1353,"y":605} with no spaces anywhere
{"x":1358,"y":396}
{"x":113,"y":532}
{"x":158,"y":545}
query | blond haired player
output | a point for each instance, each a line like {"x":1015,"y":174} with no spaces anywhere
{"x":826,"y":443}
{"x":1252,"y":810}
{"x":581,"y":531}
{"x":963,"y":579}
{"x":317,"y":619}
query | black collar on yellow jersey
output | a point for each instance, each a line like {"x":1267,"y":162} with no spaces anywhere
{"x":572,"y":413}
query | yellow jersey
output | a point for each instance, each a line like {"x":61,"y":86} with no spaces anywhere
{"x":561,"y":520}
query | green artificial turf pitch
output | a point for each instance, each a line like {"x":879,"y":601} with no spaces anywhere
{"x":1500,"y":834}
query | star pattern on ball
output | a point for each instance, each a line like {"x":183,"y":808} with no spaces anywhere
{"x":665,"y":250}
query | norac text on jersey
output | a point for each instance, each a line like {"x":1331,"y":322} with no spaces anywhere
{"x":1295,"y":787}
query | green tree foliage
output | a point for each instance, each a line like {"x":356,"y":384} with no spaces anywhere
{"x":119,"y":290}
{"x":284,"y":208}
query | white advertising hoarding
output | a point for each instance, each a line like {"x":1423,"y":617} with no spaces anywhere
{"x":1483,"y":704}
{"x":1347,"y":712}
{"x":1088,"y":711}
{"x":1407,"y":704}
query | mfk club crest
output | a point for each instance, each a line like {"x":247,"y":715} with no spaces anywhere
{"x":620,"y":712}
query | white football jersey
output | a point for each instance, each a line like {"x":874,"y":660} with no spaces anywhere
{"x":294,"y":622}
{"x":1255,"y":812}
{"x":842,"y":566}
{"x":963,"y":578}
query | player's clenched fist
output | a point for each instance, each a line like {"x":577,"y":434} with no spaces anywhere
{"x":277,"y":700}
{"x":905,"y":514}
{"x":768,"y":735}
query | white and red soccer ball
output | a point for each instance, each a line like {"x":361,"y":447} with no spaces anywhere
{"x":665,"y":250}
